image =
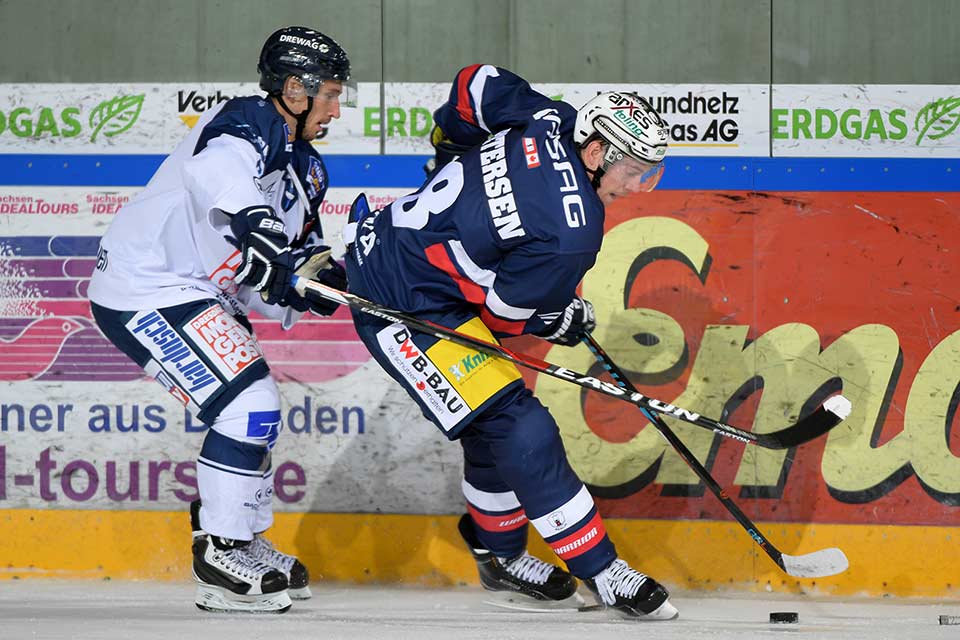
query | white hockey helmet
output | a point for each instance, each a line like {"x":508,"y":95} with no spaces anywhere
{"x":627,"y":122}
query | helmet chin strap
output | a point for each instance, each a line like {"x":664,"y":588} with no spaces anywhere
{"x":301,"y":117}
{"x":597,"y":177}
{"x":610,"y":155}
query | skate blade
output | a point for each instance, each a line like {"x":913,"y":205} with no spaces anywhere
{"x":520,"y":602}
{"x":217,"y":600}
{"x":303,"y":593}
{"x":665,"y":611}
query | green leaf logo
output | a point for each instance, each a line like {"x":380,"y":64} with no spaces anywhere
{"x":115,"y":116}
{"x":938,"y":119}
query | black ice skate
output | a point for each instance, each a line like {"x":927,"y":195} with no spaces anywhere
{"x":631,"y":593}
{"x":229,"y":579}
{"x":297,"y":575}
{"x":524,"y":574}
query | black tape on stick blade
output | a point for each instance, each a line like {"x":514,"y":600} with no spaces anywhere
{"x":782,"y":617}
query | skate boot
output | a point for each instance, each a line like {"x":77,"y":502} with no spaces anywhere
{"x":295,"y":571}
{"x":522,"y":574}
{"x":229,"y":579}
{"x":631,"y":593}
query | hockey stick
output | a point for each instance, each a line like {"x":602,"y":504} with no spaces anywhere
{"x":826,"y":562}
{"x":816,"y":424}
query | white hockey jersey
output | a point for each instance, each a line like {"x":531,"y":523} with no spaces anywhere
{"x":168,"y":245}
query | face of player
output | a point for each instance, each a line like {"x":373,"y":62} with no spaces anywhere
{"x":628,"y":176}
{"x":326,"y":107}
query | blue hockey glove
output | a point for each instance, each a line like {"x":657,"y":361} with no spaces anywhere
{"x":445,"y":150}
{"x":315,"y":264}
{"x":575,"y":321}
{"x":266,"y":259}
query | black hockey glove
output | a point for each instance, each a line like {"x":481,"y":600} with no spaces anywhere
{"x":315,"y":264}
{"x":445,"y":150}
{"x":267,"y":261}
{"x":575,"y":321}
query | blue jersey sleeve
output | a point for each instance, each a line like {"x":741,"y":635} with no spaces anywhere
{"x":485,"y":99}
{"x":256,"y":121}
{"x":531,"y":290}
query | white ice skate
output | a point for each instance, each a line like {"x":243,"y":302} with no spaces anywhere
{"x":297,"y":575}
{"x":230,"y":580}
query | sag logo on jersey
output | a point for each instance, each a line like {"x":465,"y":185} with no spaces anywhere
{"x":572,"y":202}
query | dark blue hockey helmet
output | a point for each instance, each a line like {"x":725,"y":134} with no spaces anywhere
{"x":305,"y":53}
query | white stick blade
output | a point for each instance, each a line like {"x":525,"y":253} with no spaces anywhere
{"x":819,"y":564}
{"x":838,"y":405}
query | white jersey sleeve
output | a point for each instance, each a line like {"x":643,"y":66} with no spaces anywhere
{"x":220,"y":180}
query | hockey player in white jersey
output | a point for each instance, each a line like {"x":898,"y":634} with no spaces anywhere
{"x":217,"y":233}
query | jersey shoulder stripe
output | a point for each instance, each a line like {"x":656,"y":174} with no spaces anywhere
{"x":257,"y":121}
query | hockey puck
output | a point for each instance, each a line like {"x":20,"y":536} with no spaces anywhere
{"x":784,"y":617}
{"x":949,"y":619}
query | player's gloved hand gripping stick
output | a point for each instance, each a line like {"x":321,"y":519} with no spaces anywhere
{"x":825,"y":562}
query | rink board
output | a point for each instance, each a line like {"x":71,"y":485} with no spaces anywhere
{"x":747,"y":287}
{"x":427,"y":550}
{"x":760,"y":302}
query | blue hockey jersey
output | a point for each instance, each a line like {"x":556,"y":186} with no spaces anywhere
{"x":509,"y":228}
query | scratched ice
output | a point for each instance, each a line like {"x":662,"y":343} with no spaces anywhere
{"x":146,"y":610}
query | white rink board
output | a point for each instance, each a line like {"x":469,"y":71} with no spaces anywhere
{"x":368,"y":449}
{"x":891,"y":121}
{"x":915,"y":121}
{"x":152,"y":118}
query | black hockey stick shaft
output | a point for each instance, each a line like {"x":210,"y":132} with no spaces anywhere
{"x":752,"y":530}
{"x":821,"y":563}
{"x":810,"y":427}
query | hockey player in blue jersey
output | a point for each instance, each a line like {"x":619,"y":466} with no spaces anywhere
{"x":494,"y":245}
{"x":215,"y":234}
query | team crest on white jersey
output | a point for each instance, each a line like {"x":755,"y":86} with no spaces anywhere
{"x":315,"y":179}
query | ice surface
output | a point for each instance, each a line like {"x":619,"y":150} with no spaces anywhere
{"x":147,"y":610}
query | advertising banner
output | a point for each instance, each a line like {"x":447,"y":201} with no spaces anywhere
{"x":704,"y":120}
{"x":153,"y":118}
{"x":896,"y":121}
{"x":743,"y":306}
{"x":892,"y":121}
